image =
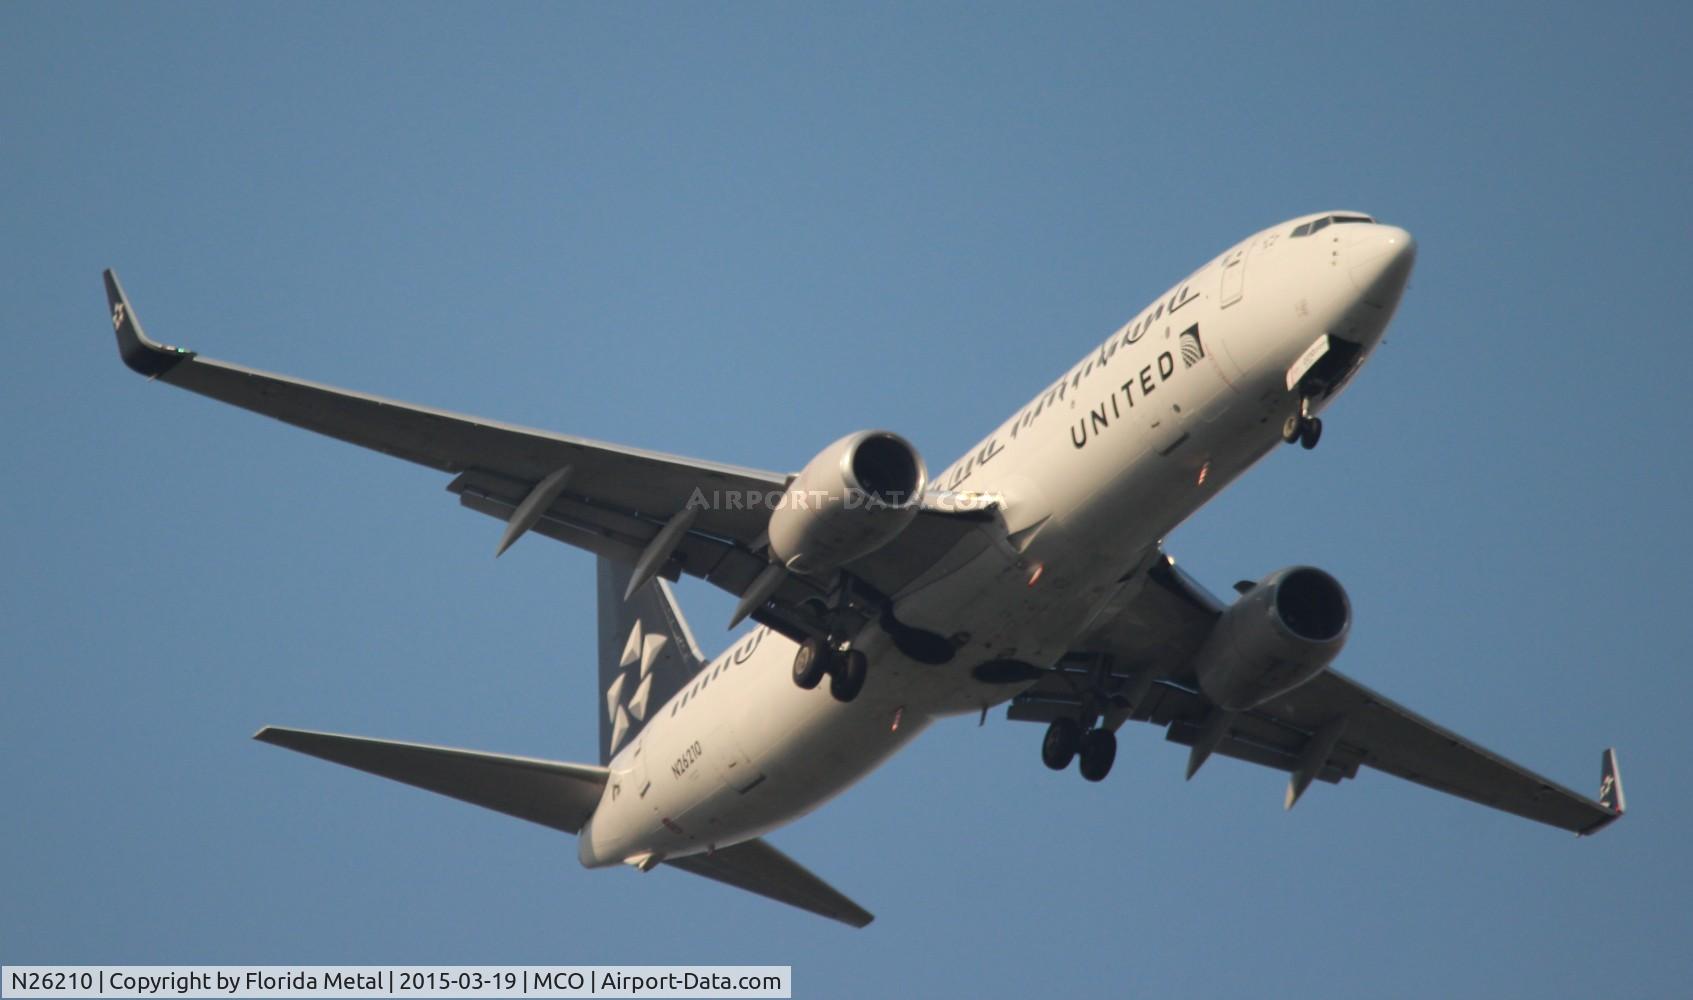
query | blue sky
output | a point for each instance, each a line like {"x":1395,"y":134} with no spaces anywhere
{"x":738,"y":232}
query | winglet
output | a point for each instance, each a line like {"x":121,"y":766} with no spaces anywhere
{"x":147,"y":357}
{"x":1610,"y":784}
{"x":1610,"y":792}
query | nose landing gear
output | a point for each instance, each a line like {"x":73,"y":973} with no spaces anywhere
{"x":1303,"y":427}
{"x":1065,"y":740}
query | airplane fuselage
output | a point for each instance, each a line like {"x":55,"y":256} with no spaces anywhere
{"x":1091,"y":474}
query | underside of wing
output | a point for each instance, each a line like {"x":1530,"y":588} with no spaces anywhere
{"x":1137,"y":665}
{"x":618,"y":478}
{"x":612,"y":500}
{"x":757,"y":867}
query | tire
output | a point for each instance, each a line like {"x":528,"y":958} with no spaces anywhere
{"x":1099,"y":751}
{"x":1293,"y":428}
{"x":1312,"y":433}
{"x":1059,"y":746}
{"x":848,"y":678}
{"x":811,"y":663}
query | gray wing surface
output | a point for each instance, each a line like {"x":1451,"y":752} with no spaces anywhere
{"x":757,"y":867}
{"x":612,"y":501}
{"x":551,"y":793}
{"x":1149,"y":642}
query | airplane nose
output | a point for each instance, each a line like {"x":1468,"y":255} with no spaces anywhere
{"x":1381,"y":264}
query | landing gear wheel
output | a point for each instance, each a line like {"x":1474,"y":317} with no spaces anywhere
{"x":1099,"y":750}
{"x":1311,"y":433}
{"x":847,"y":679}
{"x":1293,"y":428}
{"x":1059,"y":747}
{"x":811,"y":663}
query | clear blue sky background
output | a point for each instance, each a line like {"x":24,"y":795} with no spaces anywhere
{"x":737,"y":232}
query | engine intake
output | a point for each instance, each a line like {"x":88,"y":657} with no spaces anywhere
{"x":886,"y":469}
{"x":856,"y":496}
{"x":1283,"y":632}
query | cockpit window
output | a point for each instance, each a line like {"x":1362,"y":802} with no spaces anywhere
{"x":1326,"y":221}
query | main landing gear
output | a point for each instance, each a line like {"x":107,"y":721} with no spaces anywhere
{"x":846,"y":670}
{"x":1065,"y":740}
{"x":1303,"y":427}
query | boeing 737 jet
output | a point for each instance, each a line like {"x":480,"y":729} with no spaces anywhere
{"x":1029,"y":573}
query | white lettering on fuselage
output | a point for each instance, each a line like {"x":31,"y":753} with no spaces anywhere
{"x":1145,"y":379}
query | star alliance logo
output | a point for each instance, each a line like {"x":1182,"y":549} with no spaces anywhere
{"x":1193,"y":351}
{"x":645,"y":650}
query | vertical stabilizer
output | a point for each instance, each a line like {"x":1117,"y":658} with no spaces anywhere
{"x":646,"y":654}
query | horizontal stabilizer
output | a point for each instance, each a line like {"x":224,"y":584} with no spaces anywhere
{"x":550,"y":793}
{"x":757,"y":867}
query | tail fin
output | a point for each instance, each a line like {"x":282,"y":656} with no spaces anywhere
{"x":647,"y":653}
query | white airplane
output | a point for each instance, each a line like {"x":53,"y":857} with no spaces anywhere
{"x":1031,"y":571}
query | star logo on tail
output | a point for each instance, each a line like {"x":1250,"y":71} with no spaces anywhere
{"x":636,"y":673}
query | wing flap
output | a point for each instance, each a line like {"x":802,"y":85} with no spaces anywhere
{"x":551,"y":793}
{"x":622,"y":535}
{"x":760,"y":868}
{"x":1253,"y":752}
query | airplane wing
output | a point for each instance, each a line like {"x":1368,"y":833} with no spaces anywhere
{"x":757,"y":867}
{"x":608,"y":499}
{"x":1323,"y":730}
{"x":547,"y":792}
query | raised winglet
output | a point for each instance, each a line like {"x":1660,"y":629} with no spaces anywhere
{"x":1610,"y":784}
{"x":147,"y":357}
{"x":1610,"y":792}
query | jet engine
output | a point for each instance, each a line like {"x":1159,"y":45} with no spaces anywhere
{"x":849,"y":501}
{"x":1279,"y":635}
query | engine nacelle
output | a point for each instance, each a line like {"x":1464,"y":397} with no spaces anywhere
{"x":852,"y":499}
{"x":1280,"y":634}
